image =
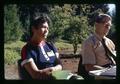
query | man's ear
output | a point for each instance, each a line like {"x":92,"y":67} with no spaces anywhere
{"x":96,"y":23}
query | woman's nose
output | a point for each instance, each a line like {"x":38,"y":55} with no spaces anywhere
{"x":46,"y":29}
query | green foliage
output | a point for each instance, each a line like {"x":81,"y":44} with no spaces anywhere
{"x":11,"y":56}
{"x":27,"y":13}
{"x":12,"y":52}
{"x":71,"y":22}
{"x":60,"y":20}
{"x":12,"y":25}
{"x":77,"y":32}
{"x":63,"y":44}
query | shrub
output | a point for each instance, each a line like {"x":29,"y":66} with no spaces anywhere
{"x":12,"y":52}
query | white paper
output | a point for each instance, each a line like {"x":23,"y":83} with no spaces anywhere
{"x":104,"y":72}
{"x":110,"y":72}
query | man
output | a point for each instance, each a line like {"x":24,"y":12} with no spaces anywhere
{"x":97,"y":50}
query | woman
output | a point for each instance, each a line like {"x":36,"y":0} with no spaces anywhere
{"x":39,"y":57}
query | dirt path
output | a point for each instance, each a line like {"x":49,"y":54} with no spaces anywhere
{"x":11,"y":72}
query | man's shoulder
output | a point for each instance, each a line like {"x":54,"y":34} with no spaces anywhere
{"x":90,"y":39}
{"x":108,"y":39}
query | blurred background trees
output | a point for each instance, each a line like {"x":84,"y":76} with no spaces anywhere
{"x":12,"y":24}
{"x":70,"y":22}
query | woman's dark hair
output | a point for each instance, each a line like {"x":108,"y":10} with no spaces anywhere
{"x":39,"y":20}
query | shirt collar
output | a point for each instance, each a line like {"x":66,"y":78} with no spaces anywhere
{"x":98,"y":37}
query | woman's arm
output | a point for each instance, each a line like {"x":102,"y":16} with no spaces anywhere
{"x":58,"y":64}
{"x":57,"y":67}
{"x":36,"y":73}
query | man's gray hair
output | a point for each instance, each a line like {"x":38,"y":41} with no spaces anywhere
{"x":101,"y":18}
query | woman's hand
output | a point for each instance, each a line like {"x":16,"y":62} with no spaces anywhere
{"x":46,"y":74}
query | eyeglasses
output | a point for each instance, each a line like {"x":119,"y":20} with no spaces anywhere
{"x":107,"y":24}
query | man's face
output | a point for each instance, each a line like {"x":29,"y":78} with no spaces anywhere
{"x":104,"y":27}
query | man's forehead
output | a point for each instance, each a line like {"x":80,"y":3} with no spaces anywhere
{"x":102,"y":18}
{"x":106,"y":19}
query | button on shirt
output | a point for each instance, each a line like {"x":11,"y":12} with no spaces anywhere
{"x":93,"y":51}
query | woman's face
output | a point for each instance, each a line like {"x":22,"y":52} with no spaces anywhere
{"x":42,"y":30}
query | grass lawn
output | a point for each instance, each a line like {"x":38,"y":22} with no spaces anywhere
{"x":12,"y":51}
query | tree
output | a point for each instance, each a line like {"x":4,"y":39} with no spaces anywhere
{"x":68,"y":22}
{"x":77,"y":31}
{"x":60,"y":17}
{"x":27,"y":13}
{"x":82,"y":22}
{"x":12,"y":24}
